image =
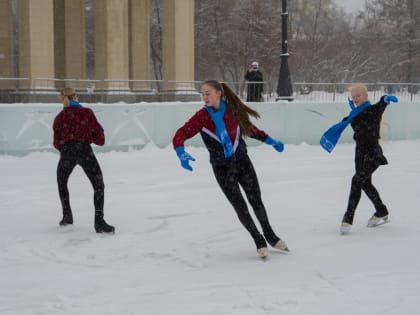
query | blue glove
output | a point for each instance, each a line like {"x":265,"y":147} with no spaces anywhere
{"x":184,"y":157}
{"x":390,"y":98}
{"x":351,"y":103}
{"x":278,"y":145}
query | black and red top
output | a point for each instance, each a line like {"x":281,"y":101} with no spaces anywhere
{"x":202,"y":123}
{"x":77,"y":124}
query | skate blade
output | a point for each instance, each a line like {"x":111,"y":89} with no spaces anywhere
{"x":381,"y":222}
{"x":344,"y":231}
{"x":66,"y":228}
{"x":345,"y":228}
{"x":282,"y":246}
{"x":262,"y":252}
{"x":105,"y":234}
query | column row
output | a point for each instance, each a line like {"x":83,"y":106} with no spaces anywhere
{"x":52,"y":40}
{"x":6,"y":40}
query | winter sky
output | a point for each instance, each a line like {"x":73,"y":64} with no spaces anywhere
{"x":351,"y":6}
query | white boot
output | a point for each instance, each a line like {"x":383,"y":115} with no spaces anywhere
{"x":262,"y":252}
{"x":281,"y":245}
{"x":375,"y":221}
{"x":345,"y":228}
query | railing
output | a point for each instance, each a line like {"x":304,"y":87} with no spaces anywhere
{"x":339,"y":92}
{"x":46,"y":90}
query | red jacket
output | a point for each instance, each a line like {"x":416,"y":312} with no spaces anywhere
{"x":76,"y":123}
{"x":202,"y":123}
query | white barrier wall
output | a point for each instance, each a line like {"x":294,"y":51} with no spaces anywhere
{"x":28,"y":127}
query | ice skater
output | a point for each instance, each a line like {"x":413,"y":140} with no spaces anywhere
{"x":365,"y":120}
{"x":223,"y":123}
{"x":75,"y":128}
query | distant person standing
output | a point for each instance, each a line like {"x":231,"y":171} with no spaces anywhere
{"x":254,"y":90}
{"x":75,"y":128}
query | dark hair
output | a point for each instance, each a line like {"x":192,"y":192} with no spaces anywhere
{"x":240,"y":111}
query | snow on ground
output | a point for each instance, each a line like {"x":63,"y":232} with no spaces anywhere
{"x":179,"y":248}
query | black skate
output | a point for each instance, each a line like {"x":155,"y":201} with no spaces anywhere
{"x":100,"y":225}
{"x":67,"y":219}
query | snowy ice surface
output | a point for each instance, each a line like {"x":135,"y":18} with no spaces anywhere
{"x":179,"y":248}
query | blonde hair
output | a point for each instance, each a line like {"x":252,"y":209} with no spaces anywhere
{"x":359,"y":86}
{"x":67,"y":94}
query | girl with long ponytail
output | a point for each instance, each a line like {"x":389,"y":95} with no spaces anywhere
{"x":223,"y":123}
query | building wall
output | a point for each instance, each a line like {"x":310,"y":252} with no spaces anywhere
{"x":6,"y":42}
{"x":52,"y":42}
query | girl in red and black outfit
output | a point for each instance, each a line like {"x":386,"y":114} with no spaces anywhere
{"x":75,"y":128}
{"x":223,"y":123}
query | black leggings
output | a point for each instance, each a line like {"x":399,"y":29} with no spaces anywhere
{"x":242,"y":173}
{"x":367,"y":162}
{"x":78,"y":153}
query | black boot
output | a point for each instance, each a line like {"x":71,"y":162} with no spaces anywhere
{"x":260,"y":242}
{"x":271,"y":237}
{"x":67,"y":218}
{"x":348,"y":217}
{"x":100,"y":225}
{"x":381,"y":212}
{"x":274,"y":240}
{"x":262,"y":250}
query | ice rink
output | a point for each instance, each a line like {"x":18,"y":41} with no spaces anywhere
{"x":179,"y":248}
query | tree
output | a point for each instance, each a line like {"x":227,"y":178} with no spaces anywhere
{"x":156,"y":39}
{"x":229,"y":35}
{"x":395,"y":27}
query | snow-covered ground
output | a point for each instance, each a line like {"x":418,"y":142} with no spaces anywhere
{"x":179,"y":248}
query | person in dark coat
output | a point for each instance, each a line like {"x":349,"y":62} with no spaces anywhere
{"x":368,"y":155}
{"x":75,"y":128}
{"x":223,"y":123}
{"x":254,"y":90}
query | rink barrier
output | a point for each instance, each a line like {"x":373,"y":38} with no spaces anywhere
{"x":27,"y":128}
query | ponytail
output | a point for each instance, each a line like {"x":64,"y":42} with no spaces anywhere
{"x":240,"y":111}
{"x":67,"y":95}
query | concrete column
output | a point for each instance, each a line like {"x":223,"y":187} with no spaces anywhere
{"x":36,"y":42}
{"x":178,"y":42}
{"x":111,"y":43}
{"x":70,"y":40}
{"x":140,"y":43}
{"x":6,"y":44}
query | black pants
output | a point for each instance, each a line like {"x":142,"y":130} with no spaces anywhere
{"x":241,"y":173}
{"x":78,"y":153}
{"x":367,"y":161}
{"x":254,"y":93}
